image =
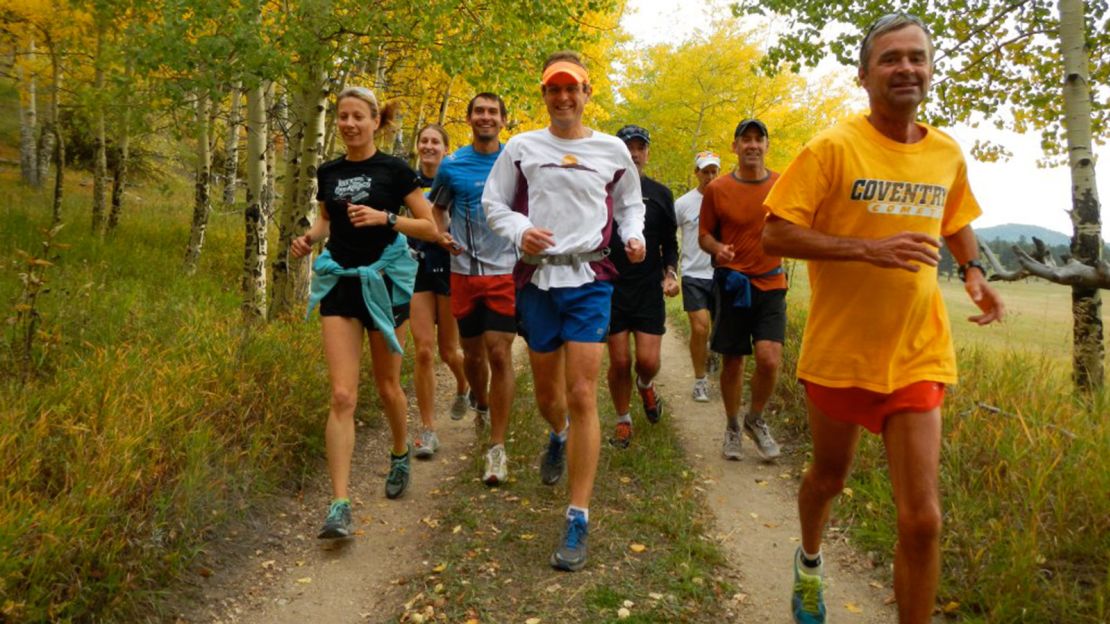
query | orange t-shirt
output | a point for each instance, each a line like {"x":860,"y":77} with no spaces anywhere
{"x":870,"y":327}
{"x":732,"y":211}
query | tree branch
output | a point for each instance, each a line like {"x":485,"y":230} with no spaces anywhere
{"x":1072,"y":273}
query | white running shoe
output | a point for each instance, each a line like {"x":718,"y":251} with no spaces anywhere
{"x":701,"y":390}
{"x":497,"y":471}
{"x":426,"y":445}
{"x":760,"y":433}
{"x":731,"y":447}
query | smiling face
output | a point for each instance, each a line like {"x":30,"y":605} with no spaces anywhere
{"x":751,"y":148}
{"x":898,"y":71}
{"x":356,"y":122}
{"x":430,"y":148}
{"x":485,"y":119}
{"x":566,"y":100}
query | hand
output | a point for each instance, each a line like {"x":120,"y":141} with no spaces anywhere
{"x":984,"y":296}
{"x":365,"y":216}
{"x":447,"y":242}
{"x":300,"y":246}
{"x":635,"y":250}
{"x":724,"y":255}
{"x":536,"y":240}
{"x":670,"y":285}
{"x":907,"y":250}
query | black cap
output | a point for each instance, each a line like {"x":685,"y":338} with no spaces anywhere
{"x":630,"y":132}
{"x":748,"y":123}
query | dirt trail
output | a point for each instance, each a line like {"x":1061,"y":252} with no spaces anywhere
{"x":279,"y":572}
{"x":275,"y":570}
{"x":755,"y":507}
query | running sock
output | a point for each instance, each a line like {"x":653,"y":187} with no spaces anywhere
{"x":753,"y":417}
{"x":582,"y":510}
{"x":811,"y":561}
{"x":702,"y":379}
{"x":341,"y":500}
{"x":393,"y":455}
{"x":625,"y":418}
{"x":640,"y":384}
{"x":734,"y":423}
{"x":563,"y":434}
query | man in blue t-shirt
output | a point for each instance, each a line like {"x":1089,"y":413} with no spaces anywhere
{"x":483,"y":296}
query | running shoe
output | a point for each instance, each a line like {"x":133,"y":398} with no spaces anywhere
{"x":426,"y":445}
{"x":760,"y":433}
{"x":460,"y":406}
{"x":731,"y":447}
{"x":398,"y":478}
{"x":496,"y":470}
{"x":622,"y":437}
{"x":554,"y":460}
{"x":808,"y":601}
{"x":481,"y":418}
{"x":701,"y":390}
{"x":338,"y":523}
{"x":570,"y":556}
{"x":653,"y":406}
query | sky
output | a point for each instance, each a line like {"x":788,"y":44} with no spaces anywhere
{"x":1043,"y":196}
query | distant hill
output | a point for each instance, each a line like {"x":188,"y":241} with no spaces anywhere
{"x":1013,"y":232}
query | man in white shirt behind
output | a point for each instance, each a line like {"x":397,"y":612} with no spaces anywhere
{"x":697,"y":270}
{"x":555,"y":193}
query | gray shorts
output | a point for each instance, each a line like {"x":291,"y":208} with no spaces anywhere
{"x":697,"y":293}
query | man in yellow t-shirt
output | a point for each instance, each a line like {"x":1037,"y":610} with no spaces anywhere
{"x":866,"y":203}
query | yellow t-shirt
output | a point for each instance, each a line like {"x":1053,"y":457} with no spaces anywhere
{"x":870,"y":327}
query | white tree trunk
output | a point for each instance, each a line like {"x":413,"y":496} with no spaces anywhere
{"x":59,"y":138}
{"x":231,"y":145}
{"x":254,"y":257}
{"x":202,"y":201}
{"x":100,"y":165}
{"x":119,"y":174}
{"x":1086,"y":246}
{"x":283,"y":296}
{"x":28,"y":122}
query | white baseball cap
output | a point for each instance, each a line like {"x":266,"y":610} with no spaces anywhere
{"x":704,"y":159}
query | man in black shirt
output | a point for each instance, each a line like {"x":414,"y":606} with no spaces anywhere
{"x":637,"y":307}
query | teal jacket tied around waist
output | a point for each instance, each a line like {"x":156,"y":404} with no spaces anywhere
{"x":396,"y":263}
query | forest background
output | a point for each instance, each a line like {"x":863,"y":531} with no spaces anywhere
{"x":154,"y":373}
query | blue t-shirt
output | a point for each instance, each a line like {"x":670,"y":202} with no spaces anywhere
{"x":458,"y":185}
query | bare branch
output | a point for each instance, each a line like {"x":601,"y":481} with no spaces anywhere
{"x":1071,"y":273}
{"x":999,"y":272}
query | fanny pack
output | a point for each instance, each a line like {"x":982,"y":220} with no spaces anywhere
{"x":574,"y":259}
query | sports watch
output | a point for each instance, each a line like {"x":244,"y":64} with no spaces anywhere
{"x":970,"y":264}
{"x":391,"y":220}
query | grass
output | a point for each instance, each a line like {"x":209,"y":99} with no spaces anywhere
{"x":495,"y":543}
{"x":156,"y":418}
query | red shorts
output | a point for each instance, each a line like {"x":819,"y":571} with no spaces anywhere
{"x":871,"y":409}
{"x":496,"y":292}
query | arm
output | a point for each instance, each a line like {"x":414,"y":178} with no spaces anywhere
{"x":965,"y":247}
{"x":301,"y":245}
{"x":446,"y":241}
{"x":721,"y":253}
{"x":421,"y":224}
{"x":907,"y":250}
{"x":497,"y":198}
{"x":628,"y":211}
{"x":670,"y":248}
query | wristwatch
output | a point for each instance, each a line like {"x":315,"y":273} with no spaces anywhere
{"x":391,"y":220}
{"x":970,"y":264}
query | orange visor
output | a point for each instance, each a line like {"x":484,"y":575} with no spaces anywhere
{"x":576,"y":72}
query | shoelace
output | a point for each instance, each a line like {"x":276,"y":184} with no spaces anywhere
{"x":575,"y":530}
{"x":335,"y":512}
{"x":398,"y":465}
{"x":809,"y":586}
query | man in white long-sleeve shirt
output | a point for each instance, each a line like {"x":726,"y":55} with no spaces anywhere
{"x":555,"y":193}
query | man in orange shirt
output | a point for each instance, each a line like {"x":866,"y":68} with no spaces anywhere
{"x":749,"y":287}
{"x":866,"y":203}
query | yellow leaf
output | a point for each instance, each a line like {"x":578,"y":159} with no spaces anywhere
{"x":637,"y":548}
{"x":853,"y":607}
{"x":532,"y":621}
{"x":305,"y":581}
{"x":527,"y":536}
{"x":847,"y":492}
{"x":952,"y":607}
{"x":439,"y":568}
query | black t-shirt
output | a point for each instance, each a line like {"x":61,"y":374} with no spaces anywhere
{"x":381,"y":181}
{"x":660,"y":239}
